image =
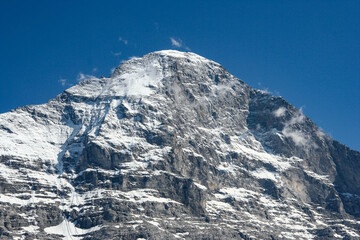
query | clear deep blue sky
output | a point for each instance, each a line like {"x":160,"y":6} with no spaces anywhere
{"x":306,"y":51}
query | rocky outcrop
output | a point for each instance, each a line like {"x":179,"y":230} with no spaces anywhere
{"x":172,"y":146}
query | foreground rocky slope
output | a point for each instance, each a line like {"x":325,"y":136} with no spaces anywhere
{"x":172,"y":146}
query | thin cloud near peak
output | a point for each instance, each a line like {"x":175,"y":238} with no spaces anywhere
{"x":121,"y":39}
{"x":81,"y":77}
{"x":63,"y":82}
{"x":116,"y":53}
{"x":176,"y":43}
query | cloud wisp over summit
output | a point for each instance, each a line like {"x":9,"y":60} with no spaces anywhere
{"x":81,"y":77}
{"x":63,"y":82}
{"x":178,"y":43}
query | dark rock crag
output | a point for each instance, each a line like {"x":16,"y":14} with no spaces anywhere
{"x":172,"y":146}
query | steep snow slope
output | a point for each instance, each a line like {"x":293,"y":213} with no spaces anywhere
{"x":172,"y":146}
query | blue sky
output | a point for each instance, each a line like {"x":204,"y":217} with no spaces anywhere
{"x":306,"y":51}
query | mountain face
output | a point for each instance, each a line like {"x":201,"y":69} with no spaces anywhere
{"x":172,"y":146}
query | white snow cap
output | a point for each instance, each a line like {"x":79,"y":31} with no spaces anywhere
{"x":190,"y":56}
{"x":178,"y":54}
{"x":139,"y":76}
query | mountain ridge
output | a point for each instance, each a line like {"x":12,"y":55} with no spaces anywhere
{"x":167,"y":146}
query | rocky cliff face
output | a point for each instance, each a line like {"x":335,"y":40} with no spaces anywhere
{"x":172,"y":146}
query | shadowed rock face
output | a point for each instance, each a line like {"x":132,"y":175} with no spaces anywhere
{"x":172,"y":146}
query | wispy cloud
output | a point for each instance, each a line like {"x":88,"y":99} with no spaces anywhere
{"x":81,"y":77}
{"x":280,"y":112}
{"x":295,"y":132}
{"x":116,"y":53}
{"x":298,"y":137}
{"x":94,"y":69}
{"x":320,"y":133}
{"x":112,"y":70}
{"x":133,"y":57}
{"x":63,"y":82}
{"x":121,"y":39}
{"x":178,"y":43}
{"x":264,"y":89}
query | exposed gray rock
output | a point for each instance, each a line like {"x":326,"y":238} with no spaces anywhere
{"x":172,"y":146}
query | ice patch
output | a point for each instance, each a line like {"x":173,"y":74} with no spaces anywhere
{"x":69,"y":231}
{"x":202,"y":187}
{"x":228,"y":167}
{"x":31,"y":229}
{"x":262,"y":173}
{"x":214,"y":206}
{"x":240,"y":194}
{"x":323,"y":178}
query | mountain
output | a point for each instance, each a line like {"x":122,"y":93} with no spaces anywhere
{"x":172,"y":146}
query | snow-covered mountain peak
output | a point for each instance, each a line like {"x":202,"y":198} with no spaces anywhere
{"x":144,"y":76}
{"x":165,"y":58}
{"x":190,"y":56}
{"x":172,"y":146}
